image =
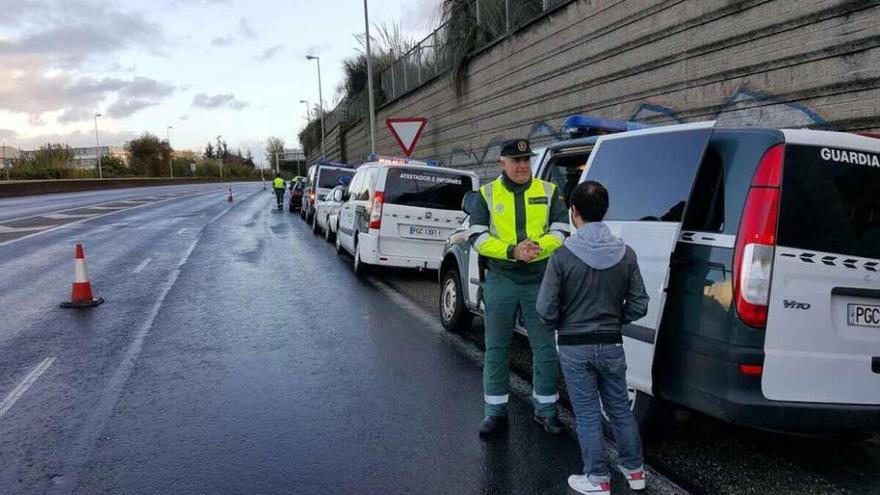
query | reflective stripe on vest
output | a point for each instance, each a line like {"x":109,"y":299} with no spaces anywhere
{"x":502,"y":211}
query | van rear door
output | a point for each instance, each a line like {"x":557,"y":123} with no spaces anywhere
{"x":823,"y":322}
{"x":422,"y":206}
{"x":649,"y":175}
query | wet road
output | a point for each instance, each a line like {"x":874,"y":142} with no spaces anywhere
{"x":236,"y":353}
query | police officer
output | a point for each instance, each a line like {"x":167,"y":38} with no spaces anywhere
{"x":516,"y":223}
{"x":278,"y":186}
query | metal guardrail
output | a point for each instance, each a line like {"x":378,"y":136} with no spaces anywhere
{"x":433,"y":55}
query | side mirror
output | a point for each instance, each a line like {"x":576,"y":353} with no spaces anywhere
{"x":469,"y":201}
{"x":337,"y":195}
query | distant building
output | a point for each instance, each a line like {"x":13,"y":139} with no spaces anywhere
{"x":9,"y":156}
{"x":186,"y":155}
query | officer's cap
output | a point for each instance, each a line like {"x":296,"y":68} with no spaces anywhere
{"x":516,"y":148}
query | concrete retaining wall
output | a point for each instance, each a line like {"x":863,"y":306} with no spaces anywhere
{"x":32,"y":187}
{"x":791,"y":63}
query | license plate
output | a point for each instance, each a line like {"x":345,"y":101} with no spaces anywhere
{"x":426,"y":232}
{"x":863,"y":315}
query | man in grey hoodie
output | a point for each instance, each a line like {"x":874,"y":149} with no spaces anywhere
{"x":592,"y":287}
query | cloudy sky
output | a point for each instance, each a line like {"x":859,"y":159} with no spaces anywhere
{"x":205,"y":67}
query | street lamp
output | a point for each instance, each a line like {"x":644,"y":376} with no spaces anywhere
{"x":320,"y":101}
{"x":220,"y":155}
{"x":170,"y":157}
{"x":98,"y":147}
{"x":370,"y":82}
{"x":308,"y":108}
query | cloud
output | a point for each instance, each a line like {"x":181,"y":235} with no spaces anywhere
{"x":223,"y":40}
{"x":7,"y":134}
{"x":269,"y":53}
{"x":69,"y":32}
{"x":77,"y":138}
{"x":124,"y":107}
{"x":202,"y":100}
{"x":244,"y":28}
{"x":79,"y":97}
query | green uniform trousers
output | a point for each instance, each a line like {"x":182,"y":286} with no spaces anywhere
{"x":503,"y":297}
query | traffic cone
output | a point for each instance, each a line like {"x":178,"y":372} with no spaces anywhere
{"x":229,"y":197}
{"x":81,"y":295}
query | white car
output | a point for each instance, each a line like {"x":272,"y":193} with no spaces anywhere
{"x":399,"y":213}
{"x":327,"y":212}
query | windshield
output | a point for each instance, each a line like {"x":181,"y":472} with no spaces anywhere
{"x":831,"y":201}
{"x":426,"y":188}
{"x":329,"y":177}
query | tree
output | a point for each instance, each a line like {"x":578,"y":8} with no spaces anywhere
{"x":274,"y":146}
{"x":209,"y":151}
{"x":51,"y":156}
{"x":148,"y":155}
{"x":113,"y":166}
{"x":249,"y":159}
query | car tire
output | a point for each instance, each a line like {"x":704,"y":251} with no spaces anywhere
{"x":339,"y":249}
{"x":328,"y":232}
{"x":360,"y":268}
{"x":454,"y":314}
{"x":302,"y":213}
{"x":315,"y":228}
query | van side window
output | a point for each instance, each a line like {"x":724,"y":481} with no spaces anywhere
{"x":354,"y":187}
{"x":364,"y":186}
{"x":648,"y":177}
{"x":565,"y":171}
{"x":705,"y":209}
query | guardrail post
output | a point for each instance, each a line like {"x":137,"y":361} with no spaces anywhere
{"x":507,"y":16}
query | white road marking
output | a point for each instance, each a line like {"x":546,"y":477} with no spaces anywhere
{"x":56,"y":227}
{"x":64,"y":216}
{"x":25,"y":384}
{"x":182,"y":231}
{"x":105,"y":207}
{"x":142,"y":265}
{"x":6,"y":230}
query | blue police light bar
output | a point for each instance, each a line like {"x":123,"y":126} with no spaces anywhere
{"x":394,"y":160}
{"x":584,"y":126}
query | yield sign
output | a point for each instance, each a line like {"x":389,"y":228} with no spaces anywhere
{"x":406,"y":132}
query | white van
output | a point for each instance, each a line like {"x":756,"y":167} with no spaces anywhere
{"x":399,"y":213}
{"x":322,"y":177}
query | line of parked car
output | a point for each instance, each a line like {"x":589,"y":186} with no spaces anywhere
{"x":760,"y":249}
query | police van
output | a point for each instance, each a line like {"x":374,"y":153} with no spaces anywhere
{"x":399,"y":212}
{"x":322,"y":177}
{"x":760,"y":250}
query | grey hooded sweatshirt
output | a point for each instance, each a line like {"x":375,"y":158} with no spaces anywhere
{"x":592,"y":287}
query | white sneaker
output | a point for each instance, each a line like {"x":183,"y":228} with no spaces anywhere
{"x":582,"y":484}
{"x":636,"y":479}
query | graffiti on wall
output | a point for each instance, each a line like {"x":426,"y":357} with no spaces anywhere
{"x":744,"y":108}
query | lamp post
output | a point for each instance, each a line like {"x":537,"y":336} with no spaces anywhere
{"x":170,"y":157}
{"x":308,"y":108}
{"x":220,"y":155}
{"x":98,"y":147}
{"x":320,"y":102}
{"x":370,"y":82}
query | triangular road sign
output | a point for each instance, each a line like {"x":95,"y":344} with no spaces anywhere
{"x":406,"y":132}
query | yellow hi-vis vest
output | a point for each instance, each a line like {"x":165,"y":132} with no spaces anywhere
{"x":502,"y":223}
{"x":278,"y":183}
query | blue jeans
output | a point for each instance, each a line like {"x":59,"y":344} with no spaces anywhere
{"x":591,"y":372}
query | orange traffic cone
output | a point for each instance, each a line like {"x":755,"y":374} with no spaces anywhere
{"x":229,"y":197}
{"x":81,"y":295}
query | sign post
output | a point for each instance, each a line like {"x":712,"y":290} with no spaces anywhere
{"x":406,"y":131}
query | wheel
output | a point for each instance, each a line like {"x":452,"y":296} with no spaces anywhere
{"x":302,"y":213}
{"x":454,"y":315}
{"x":315,"y":228}
{"x":328,"y":235}
{"x":360,"y":268}
{"x":339,"y":249}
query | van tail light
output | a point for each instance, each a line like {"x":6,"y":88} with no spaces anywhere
{"x":376,"y":210}
{"x":751,"y":369}
{"x":756,"y":242}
